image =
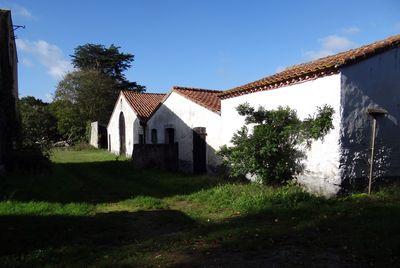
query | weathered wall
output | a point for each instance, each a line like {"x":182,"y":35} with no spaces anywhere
{"x":8,"y":87}
{"x":322,"y":165}
{"x":183,"y":115}
{"x":161,"y":156}
{"x":94,"y":134}
{"x":374,"y":82}
{"x":132,"y":127}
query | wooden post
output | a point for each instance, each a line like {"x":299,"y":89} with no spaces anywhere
{"x":371,"y":164}
{"x":374,"y":113}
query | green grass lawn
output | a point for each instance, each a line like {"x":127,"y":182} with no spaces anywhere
{"x":94,"y":209}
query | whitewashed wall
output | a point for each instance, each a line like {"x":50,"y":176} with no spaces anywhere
{"x":132,"y":127}
{"x":374,"y":82}
{"x":183,"y":115}
{"x":94,"y":134}
{"x":322,"y":165}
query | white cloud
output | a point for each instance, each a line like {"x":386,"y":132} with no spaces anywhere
{"x":18,"y":10}
{"x":27,"y":62}
{"x":350,"y":30}
{"x":22,"y":11}
{"x":48,"y":55}
{"x":331,"y":44}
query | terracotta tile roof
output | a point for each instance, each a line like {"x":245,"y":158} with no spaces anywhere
{"x":314,"y":69}
{"x":204,"y":97}
{"x":144,"y":104}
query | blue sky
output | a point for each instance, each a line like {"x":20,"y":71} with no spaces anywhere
{"x":209,"y":44}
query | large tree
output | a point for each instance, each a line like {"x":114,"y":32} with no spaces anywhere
{"x":91,"y":92}
{"x":37,"y":121}
{"x":109,"y":61}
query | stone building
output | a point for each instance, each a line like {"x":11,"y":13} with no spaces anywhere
{"x":8,"y":87}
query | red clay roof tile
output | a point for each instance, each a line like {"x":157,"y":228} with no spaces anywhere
{"x":204,"y":97}
{"x":314,"y":69}
{"x":144,"y":104}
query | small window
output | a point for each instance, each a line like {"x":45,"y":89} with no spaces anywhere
{"x":154,"y":138}
{"x":141,"y":139}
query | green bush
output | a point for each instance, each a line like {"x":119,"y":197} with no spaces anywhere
{"x":274,"y":150}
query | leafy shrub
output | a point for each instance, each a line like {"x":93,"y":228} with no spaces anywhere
{"x":274,"y":150}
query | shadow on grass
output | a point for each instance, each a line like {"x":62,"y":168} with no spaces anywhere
{"x":305,"y":236}
{"x":21,"y":234}
{"x":354,"y":235}
{"x":96,"y":182}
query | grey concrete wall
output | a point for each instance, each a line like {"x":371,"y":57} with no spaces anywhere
{"x":374,"y":82}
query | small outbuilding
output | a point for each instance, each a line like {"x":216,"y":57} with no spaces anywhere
{"x":128,"y":122}
{"x":190,"y":117}
{"x":98,"y":135}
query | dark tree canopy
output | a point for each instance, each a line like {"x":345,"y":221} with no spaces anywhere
{"x":37,"y":121}
{"x":93,"y":93}
{"x":109,"y":61}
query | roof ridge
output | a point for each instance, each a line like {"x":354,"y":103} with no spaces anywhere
{"x":315,"y":68}
{"x":149,"y":93}
{"x":196,"y":89}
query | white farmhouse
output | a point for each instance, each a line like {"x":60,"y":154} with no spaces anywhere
{"x":190,"y":117}
{"x":127,"y":124}
{"x":351,"y":82}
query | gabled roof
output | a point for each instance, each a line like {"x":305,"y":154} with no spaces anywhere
{"x":144,"y":104}
{"x":314,"y":69}
{"x":204,"y":97}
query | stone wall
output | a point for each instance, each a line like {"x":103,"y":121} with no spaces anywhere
{"x":161,"y":156}
{"x":9,"y":126}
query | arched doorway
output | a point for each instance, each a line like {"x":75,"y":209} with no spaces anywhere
{"x":122,"y":143}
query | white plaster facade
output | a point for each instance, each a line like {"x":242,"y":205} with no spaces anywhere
{"x":342,"y":155}
{"x":322,"y":166}
{"x":132,"y":127}
{"x":183,"y":115}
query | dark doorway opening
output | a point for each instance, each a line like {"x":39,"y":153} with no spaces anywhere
{"x":199,"y":150}
{"x":141,"y":139}
{"x":122,"y":143}
{"x":169,"y":136}
{"x":109,"y":142}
